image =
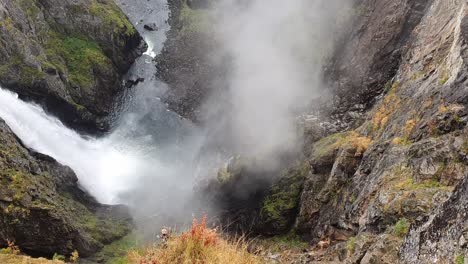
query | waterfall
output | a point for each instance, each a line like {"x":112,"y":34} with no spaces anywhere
{"x":145,"y":160}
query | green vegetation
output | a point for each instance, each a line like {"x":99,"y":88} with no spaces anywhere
{"x":116,"y":252}
{"x":460,"y":259}
{"x":401,"y":228}
{"x":17,"y":69}
{"x":7,"y":23}
{"x":402,"y":179}
{"x":30,"y":7}
{"x":327,"y":147}
{"x":284,"y":242}
{"x":351,"y":245}
{"x":112,"y":16}
{"x":81,"y":56}
{"x":58,"y":257}
{"x":283,"y":199}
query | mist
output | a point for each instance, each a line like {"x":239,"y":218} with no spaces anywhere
{"x":153,"y":158}
{"x":276,"y":50}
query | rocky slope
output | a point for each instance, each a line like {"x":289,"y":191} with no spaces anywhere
{"x":67,"y":55}
{"x":44,"y":211}
{"x":383,"y":174}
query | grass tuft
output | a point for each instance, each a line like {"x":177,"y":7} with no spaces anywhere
{"x":200,"y":244}
{"x":401,"y":228}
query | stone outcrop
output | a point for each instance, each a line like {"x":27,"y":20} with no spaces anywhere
{"x":67,"y":55}
{"x":44,"y":211}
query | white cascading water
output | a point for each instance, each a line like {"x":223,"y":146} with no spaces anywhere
{"x":93,"y":160}
{"x":145,"y":161}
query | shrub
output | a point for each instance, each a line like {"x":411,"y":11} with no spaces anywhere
{"x":460,"y":259}
{"x":198,"y":245}
{"x":401,"y":228}
{"x":58,"y":257}
{"x":10,"y":249}
{"x":74,"y":256}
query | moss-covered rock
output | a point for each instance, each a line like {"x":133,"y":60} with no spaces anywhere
{"x":67,"y":55}
{"x":43,"y":210}
{"x":281,"y":204}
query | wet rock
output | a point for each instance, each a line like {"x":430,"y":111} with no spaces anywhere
{"x":133,"y":80}
{"x":151,"y":27}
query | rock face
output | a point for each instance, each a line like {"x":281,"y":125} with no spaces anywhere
{"x":408,"y":154}
{"x":44,"y":211}
{"x":441,"y":237}
{"x":68,"y":56}
{"x":399,"y":82}
{"x":370,"y":54}
{"x":255,"y":201}
{"x":186,"y":62}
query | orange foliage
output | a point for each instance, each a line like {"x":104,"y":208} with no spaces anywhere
{"x":199,"y":245}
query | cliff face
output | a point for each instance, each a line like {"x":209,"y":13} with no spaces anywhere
{"x":68,"y":56}
{"x":390,"y":186}
{"x":189,"y":61}
{"x":404,"y":161}
{"x":44,"y":211}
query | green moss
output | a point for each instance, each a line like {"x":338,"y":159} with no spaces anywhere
{"x":402,"y":179}
{"x":460,"y":259}
{"x":351,"y":245}
{"x":16,"y":69}
{"x":7,"y":23}
{"x":80,"y":56}
{"x":116,"y":252}
{"x":112,"y":16}
{"x":30,"y":7}
{"x":327,"y":146}
{"x":282,"y":201}
{"x":290,"y":241}
{"x":401,"y":228}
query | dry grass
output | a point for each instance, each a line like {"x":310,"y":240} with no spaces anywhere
{"x":18,"y":259}
{"x":198,"y":245}
{"x":388,"y":106}
{"x":329,"y":145}
{"x":358,"y":142}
